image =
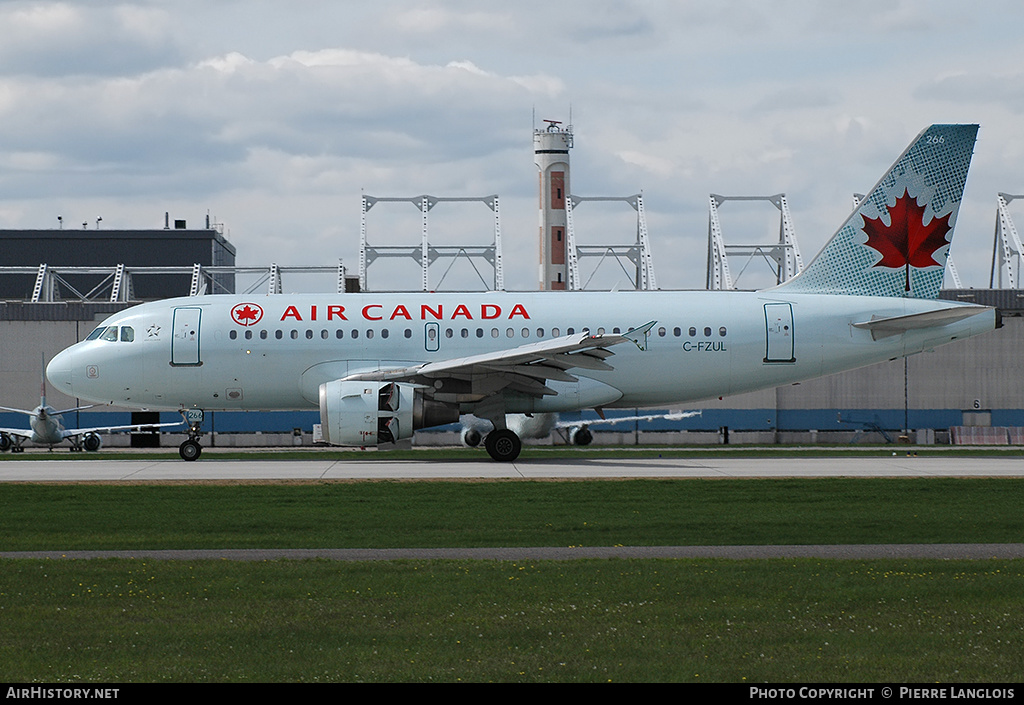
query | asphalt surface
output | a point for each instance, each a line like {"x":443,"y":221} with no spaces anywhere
{"x":587,"y":465}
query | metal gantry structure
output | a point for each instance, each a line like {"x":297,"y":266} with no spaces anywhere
{"x":426,"y":253}
{"x":783,"y":256}
{"x":637,"y":252}
{"x":115,"y":283}
{"x":1006,"y":247}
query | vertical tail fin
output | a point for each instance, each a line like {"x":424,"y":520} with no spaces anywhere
{"x":896,"y":242}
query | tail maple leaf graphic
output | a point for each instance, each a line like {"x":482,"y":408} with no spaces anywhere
{"x":907,"y":241}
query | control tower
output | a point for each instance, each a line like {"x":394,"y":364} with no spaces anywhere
{"x":551,"y":147}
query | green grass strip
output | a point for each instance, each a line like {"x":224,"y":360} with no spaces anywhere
{"x":778,"y":621}
{"x":511,"y":513}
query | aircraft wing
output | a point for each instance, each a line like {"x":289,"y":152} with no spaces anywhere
{"x":72,"y":432}
{"x":18,"y":432}
{"x":525,"y":368}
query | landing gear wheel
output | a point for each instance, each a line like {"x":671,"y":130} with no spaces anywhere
{"x":190,"y":450}
{"x":503,"y":445}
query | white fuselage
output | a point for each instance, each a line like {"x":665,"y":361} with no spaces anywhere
{"x":273,"y":352}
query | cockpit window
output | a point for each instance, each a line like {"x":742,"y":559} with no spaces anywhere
{"x":110,"y":333}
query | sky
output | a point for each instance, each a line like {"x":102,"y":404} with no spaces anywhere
{"x":273,"y":118}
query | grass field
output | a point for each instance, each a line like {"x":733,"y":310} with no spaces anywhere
{"x":588,"y":620}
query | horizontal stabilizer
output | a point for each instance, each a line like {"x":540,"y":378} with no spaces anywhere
{"x":895,"y":325}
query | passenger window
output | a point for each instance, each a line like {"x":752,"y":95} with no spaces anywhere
{"x":661,"y":332}
{"x":384,"y":333}
{"x":707,"y":331}
{"x":263,"y":334}
{"x":693,"y":332}
{"x":408,"y":333}
{"x":233,"y":334}
{"x":279,"y":334}
{"x":721,"y":331}
{"x":248,"y":335}
{"x":127,"y":334}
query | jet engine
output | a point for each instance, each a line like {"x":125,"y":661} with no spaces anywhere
{"x":471,"y":436}
{"x":580,"y":435}
{"x":5,"y":443}
{"x":354,"y":413}
{"x":92,"y":442}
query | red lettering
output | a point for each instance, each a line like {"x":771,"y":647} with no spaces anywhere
{"x":518,"y":310}
{"x":488,"y":311}
{"x":312,"y":312}
{"x":461,"y":310}
{"x":291,"y":312}
{"x":401,"y":311}
{"x":424,"y":309}
{"x":338,"y":311}
{"x":366,"y":314}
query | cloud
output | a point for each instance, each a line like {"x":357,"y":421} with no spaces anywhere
{"x":63,"y":39}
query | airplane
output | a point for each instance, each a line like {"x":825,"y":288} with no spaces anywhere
{"x":381,"y":365}
{"x":46,"y":427}
{"x":577,"y":432}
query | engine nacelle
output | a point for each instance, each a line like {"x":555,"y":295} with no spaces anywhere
{"x":580,"y":435}
{"x":471,"y":436}
{"x":5,"y":443}
{"x":369,"y":413}
{"x":92,"y":442}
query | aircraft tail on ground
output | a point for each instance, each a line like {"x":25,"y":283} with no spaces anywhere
{"x":896,"y":242}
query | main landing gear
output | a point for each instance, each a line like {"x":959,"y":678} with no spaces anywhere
{"x":503,"y":445}
{"x":190,"y":449}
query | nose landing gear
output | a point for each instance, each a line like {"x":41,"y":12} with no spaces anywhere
{"x":190,"y":449}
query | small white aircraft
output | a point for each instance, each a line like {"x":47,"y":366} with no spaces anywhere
{"x":46,"y":427}
{"x":381,"y":365}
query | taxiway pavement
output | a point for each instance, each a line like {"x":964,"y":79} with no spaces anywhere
{"x":211,"y":468}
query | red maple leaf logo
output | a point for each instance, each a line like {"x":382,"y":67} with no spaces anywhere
{"x":246,"y":314}
{"x":907,"y":241}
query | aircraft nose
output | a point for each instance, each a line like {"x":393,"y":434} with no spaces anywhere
{"x":59,"y":372}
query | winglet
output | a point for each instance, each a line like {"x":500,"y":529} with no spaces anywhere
{"x":635,"y":334}
{"x":896,"y":242}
